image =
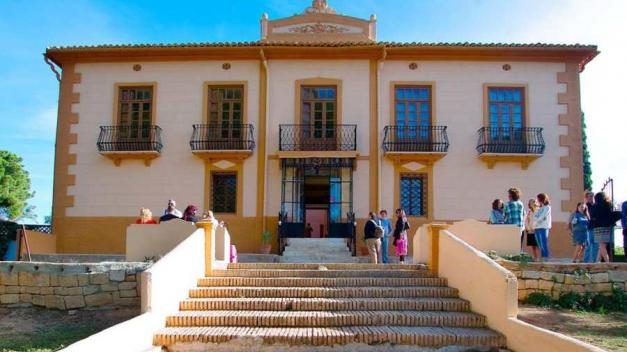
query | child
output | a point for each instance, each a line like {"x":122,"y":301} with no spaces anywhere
{"x":579,"y":227}
{"x":496,"y":215}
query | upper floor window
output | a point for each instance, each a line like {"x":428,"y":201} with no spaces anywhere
{"x":506,"y":107}
{"x":412,"y":112}
{"x":413,"y":189}
{"x":319,"y":111}
{"x":135,"y":108}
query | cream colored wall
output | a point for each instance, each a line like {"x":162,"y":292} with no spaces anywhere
{"x":458,"y":104}
{"x":504,"y":239}
{"x":103,"y":189}
{"x":145,"y":241}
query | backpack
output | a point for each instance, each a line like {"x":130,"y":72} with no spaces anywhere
{"x":378,"y":230}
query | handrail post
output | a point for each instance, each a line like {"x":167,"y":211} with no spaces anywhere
{"x":209,"y":228}
{"x":435,"y":247}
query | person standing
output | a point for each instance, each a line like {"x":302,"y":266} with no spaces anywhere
{"x":514,"y":212}
{"x":190,"y":214}
{"x":400,"y":234}
{"x":496,"y":215}
{"x":529,"y":230}
{"x":372,"y":242}
{"x":145,"y":217}
{"x":592,"y":248}
{"x":623,"y":222}
{"x":542,"y":224}
{"x":171,"y":209}
{"x":579,"y":224}
{"x":601,"y":218}
{"x":387,"y":231}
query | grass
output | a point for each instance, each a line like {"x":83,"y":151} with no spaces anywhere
{"x":51,"y":339}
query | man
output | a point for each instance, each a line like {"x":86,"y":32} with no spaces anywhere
{"x":171,"y":209}
{"x":592,"y":248}
{"x":514,"y":212}
{"x":372,"y":242}
{"x":387,"y":231}
{"x":623,"y":222}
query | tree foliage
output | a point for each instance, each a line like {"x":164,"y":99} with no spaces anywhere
{"x":14,"y":185}
{"x":587,"y":166}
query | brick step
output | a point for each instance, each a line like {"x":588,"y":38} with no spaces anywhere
{"x":319,"y":282}
{"x":323,"y":318}
{"x":420,"y":336}
{"x":329,"y":266}
{"x":323,"y":292}
{"x":328,"y":304}
{"x":320,"y":273}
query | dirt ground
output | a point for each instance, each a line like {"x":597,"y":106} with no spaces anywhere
{"x":607,"y":331}
{"x":37,"y":329}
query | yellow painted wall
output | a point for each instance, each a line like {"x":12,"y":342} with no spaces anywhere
{"x":39,"y":243}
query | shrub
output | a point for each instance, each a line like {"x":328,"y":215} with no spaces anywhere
{"x":539,"y":299}
{"x":591,"y":302}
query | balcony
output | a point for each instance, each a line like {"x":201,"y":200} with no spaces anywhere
{"x":425,"y":144}
{"x":317,"y":140}
{"x":223,"y":141}
{"x":130,"y":142}
{"x":522,"y":145}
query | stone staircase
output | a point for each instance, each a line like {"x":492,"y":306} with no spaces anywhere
{"x":317,"y":250}
{"x":316,"y":306}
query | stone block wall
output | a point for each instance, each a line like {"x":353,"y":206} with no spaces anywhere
{"x":554,"y":278}
{"x":70,"y":286}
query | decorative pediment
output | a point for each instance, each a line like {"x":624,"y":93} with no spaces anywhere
{"x":319,"y":22}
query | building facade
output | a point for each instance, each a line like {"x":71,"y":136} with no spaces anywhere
{"x":316,"y":123}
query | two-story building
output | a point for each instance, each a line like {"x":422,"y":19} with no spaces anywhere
{"x":316,"y":123}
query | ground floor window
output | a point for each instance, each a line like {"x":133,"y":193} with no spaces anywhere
{"x":414,"y":194}
{"x":224,"y":192}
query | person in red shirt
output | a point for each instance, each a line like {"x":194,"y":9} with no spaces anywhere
{"x":145,"y":217}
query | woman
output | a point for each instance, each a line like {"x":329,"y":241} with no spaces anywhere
{"x":400,"y":234}
{"x":529,"y":229}
{"x":190,"y":214}
{"x":601,"y":224}
{"x":496,"y":215}
{"x":579,"y":228}
{"x":542,"y":224}
{"x":372,"y":242}
{"x":145,"y":217}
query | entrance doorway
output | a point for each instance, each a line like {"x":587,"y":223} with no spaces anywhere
{"x":317,"y":206}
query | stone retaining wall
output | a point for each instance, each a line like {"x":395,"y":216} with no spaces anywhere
{"x":554,"y":278}
{"x":70,"y":286}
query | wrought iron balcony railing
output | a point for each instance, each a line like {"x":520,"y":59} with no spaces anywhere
{"x":129,"y":139}
{"x":527,"y":140}
{"x":419,"y":139}
{"x":222,"y":137}
{"x":317,"y":137}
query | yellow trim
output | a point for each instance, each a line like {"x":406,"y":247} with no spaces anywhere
{"x":486,"y":110}
{"x":229,"y":84}
{"x":237,"y":169}
{"x":427,"y":158}
{"x":317,"y":81}
{"x":427,"y":170}
{"x":394,"y":84}
{"x":435,"y":247}
{"x":261,"y":142}
{"x":524,"y":159}
{"x":116,"y":99}
{"x":374,"y":136}
{"x":146,"y":155}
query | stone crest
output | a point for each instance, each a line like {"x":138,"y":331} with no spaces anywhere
{"x":318,"y":28}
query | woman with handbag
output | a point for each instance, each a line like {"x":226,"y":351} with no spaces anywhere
{"x":400,"y":234}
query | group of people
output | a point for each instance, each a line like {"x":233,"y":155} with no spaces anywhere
{"x":591,"y":224}
{"x":377,"y":233}
{"x":171,"y":212}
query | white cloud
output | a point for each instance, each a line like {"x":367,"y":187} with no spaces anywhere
{"x":41,"y":126}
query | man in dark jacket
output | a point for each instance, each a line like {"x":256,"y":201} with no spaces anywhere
{"x":372,"y":242}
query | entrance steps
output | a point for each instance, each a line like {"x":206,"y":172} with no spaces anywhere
{"x":317,"y":250}
{"x":254,"y":306}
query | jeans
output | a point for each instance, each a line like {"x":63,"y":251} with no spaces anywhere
{"x":384,"y":249}
{"x":374,"y":249}
{"x":542,"y":237}
{"x":592,"y":249}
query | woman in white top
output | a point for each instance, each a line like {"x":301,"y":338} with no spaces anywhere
{"x":542,"y":224}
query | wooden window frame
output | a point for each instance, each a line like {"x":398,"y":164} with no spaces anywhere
{"x":319,"y":81}
{"x":207,"y":85}
{"x":525,"y":101}
{"x":410,"y":84}
{"x":117,"y":87}
{"x":425,"y":190}
{"x":215,"y":174}
{"x":395,"y":101}
{"x":323,"y":102}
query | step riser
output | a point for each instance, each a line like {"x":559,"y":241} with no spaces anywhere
{"x":427,"y":337}
{"x":320,"y":282}
{"x":321,"y":273}
{"x":347,"y":292}
{"x":332,"y":266}
{"x":431,"y":304}
{"x":398,"y":319}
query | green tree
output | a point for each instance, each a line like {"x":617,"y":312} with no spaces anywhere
{"x":587,"y":166}
{"x":14,"y":185}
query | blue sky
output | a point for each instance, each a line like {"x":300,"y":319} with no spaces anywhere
{"x":29,"y":91}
